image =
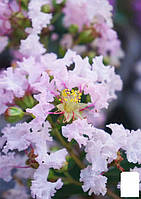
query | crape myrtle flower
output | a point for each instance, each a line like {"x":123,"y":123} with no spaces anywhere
{"x":60,"y":86}
{"x":57,"y":100}
{"x":97,"y":82}
{"x":93,"y":182}
{"x":92,"y":19}
{"x":7,"y":9}
{"x":85,"y":12}
{"x":38,"y":18}
{"x":11,"y":17}
{"x":94,"y":80}
{"x":41,"y":188}
{"x":77,"y":130}
{"x":108,"y":43}
{"x":102,"y":149}
{"x":31,"y":46}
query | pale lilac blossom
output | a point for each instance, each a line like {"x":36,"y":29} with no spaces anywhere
{"x":56,"y":159}
{"x":78,"y":130}
{"x":101,"y":150}
{"x":16,"y":137}
{"x":31,"y":46}
{"x":133,"y":147}
{"x":15,"y":81}
{"x":85,"y":12}
{"x":108,"y":43}
{"x":39,"y":19}
{"x":41,"y":188}
{"x":40,"y":139}
{"x":119,"y":135}
{"x":93,"y":182}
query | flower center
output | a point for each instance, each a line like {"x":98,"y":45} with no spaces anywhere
{"x":71,"y":104}
{"x":70,"y":99}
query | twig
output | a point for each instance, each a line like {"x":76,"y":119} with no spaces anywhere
{"x":69,"y":149}
{"x":113,"y":195}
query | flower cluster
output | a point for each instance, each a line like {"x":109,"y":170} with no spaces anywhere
{"x":94,"y":20}
{"x":11,"y":18}
{"x":53,"y":102}
{"x":86,"y":25}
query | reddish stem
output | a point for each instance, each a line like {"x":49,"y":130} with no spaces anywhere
{"x":56,"y":113}
{"x":92,"y":105}
{"x":20,"y":6}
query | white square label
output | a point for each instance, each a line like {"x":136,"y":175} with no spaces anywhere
{"x":129,"y":184}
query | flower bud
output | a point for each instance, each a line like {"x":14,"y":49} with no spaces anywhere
{"x":86,"y":36}
{"x":26,"y":101}
{"x":73,"y":29}
{"x":46,"y":8}
{"x":13,"y":114}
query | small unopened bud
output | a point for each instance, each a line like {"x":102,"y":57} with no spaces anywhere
{"x":46,"y":8}
{"x":27,"y":101}
{"x":13,"y":114}
{"x":86,"y":36}
{"x":73,"y":29}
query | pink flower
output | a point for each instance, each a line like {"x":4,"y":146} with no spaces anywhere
{"x":108,"y":43}
{"x":93,"y":182}
{"x":106,"y":74}
{"x":39,"y":19}
{"x":7,"y":98}
{"x":76,"y":13}
{"x":41,"y":188}
{"x":56,"y":159}
{"x":101,"y":150}
{"x":133,"y":147}
{"x":41,"y":110}
{"x":128,"y":141}
{"x":31,"y":46}
{"x":7,"y":9}
{"x":15,"y":81}
{"x":119,"y":135}
{"x":16,"y":137}
{"x":40,"y":139}
{"x":85,"y":12}
{"x":79,"y":130}
{"x":32,"y":68}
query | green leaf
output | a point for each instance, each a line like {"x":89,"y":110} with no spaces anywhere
{"x":68,"y":190}
{"x":26,"y":101}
